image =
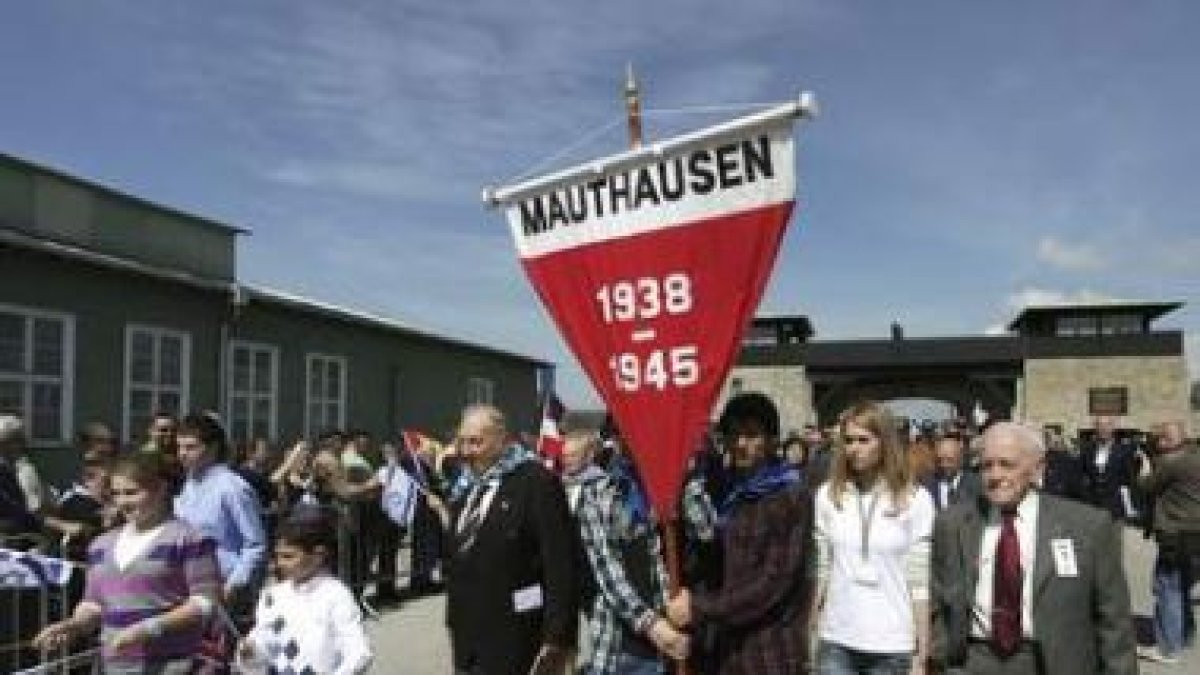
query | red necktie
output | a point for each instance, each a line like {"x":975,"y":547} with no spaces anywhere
{"x":1006,"y":590}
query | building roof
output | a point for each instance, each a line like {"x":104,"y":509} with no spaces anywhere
{"x":282,"y":298}
{"x":796,"y":325}
{"x":1149,"y":309}
{"x":124,"y":196}
{"x":71,"y":251}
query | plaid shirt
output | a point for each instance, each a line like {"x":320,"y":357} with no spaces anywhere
{"x":606,"y":527}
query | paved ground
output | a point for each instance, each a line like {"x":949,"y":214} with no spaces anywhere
{"x":411,"y":639}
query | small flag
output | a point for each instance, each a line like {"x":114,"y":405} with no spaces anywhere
{"x":30,"y":570}
{"x":399,"y":495}
{"x":550,"y":438}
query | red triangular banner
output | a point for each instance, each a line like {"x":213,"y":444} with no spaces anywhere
{"x":651,"y":269}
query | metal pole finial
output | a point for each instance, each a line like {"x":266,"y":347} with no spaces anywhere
{"x":633,"y":107}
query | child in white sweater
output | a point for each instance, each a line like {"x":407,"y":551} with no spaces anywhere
{"x":308,"y":622}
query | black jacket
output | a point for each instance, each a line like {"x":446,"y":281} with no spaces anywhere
{"x":1063,"y":476}
{"x":525,"y":548}
{"x":1102,"y":489}
{"x":969,"y":488}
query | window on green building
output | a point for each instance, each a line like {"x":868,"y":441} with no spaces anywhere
{"x":37,"y":351}
{"x":158,"y":364}
{"x":325,"y":399}
{"x":252,"y":392}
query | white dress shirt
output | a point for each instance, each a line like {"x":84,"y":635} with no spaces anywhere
{"x":1025,"y":523}
{"x":946,"y":488}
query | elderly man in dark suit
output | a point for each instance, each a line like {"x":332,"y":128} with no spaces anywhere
{"x":1025,"y":582}
{"x":512,"y":599}
{"x":1110,"y":469}
{"x":951,"y":482}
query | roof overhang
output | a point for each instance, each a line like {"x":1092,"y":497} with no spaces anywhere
{"x":1148,"y":309}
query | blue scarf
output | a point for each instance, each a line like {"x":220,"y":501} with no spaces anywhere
{"x":768,"y":479}
{"x":630,"y":488}
{"x":513,"y":456}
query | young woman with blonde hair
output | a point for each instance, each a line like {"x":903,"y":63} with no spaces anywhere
{"x":873,"y":531}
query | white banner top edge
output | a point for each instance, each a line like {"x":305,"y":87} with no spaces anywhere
{"x":804,"y":106}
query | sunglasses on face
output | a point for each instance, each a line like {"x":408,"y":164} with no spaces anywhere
{"x":857,"y":440}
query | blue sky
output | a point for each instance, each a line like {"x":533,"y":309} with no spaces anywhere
{"x":970,"y":157}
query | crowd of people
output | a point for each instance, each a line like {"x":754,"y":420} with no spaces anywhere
{"x":867,"y":547}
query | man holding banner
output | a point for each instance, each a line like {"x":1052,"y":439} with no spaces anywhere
{"x":766,"y":521}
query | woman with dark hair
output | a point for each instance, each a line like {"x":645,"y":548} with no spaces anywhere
{"x":873,"y":533}
{"x":151,"y":584}
{"x":219,"y":503}
{"x":764,"y":524}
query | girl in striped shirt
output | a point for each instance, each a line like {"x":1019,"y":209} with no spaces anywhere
{"x":152,"y":583}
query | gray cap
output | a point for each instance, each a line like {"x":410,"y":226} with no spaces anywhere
{"x":11,"y":428}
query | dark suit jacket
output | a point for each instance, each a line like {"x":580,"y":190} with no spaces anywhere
{"x":1102,"y":489}
{"x":969,"y":489}
{"x":526,"y":541}
{"x":1082,"y":624}
{"x":1063,"y":475}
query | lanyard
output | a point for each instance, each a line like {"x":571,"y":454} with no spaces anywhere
{"x":866,"y":519}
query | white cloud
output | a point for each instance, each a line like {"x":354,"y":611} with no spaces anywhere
{"x":1033,"y":296}
{"x":378,"y":179}
{"x":1041,"y":297}
{"x":1072,"y":257}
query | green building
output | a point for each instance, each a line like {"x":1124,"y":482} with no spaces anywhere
{"x":112,"y":308}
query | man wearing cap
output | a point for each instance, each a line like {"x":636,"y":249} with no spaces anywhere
{"x":16,"y":516}
{"x":12,"y":435}
{"x":1025,"y":582}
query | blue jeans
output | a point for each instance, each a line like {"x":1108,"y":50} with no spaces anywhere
{"x":1172,"y":606}
{"x":637,"y":665}
{"x":835,"y":659}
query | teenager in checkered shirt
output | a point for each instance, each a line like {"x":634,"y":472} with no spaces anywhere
{"x":628,"y":631}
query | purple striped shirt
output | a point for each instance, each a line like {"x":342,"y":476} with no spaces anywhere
{"x":179,"y":563}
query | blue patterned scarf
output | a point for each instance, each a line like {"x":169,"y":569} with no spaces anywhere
{"x":512,"y":457}
{"x":766,"y":480}
{"x":630,"y":487}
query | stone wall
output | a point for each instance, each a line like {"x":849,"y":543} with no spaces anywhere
{"x":1055,"y":391}
{"x":787,"y":386}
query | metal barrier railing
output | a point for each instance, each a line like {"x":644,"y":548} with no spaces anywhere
{"x":29,"y":601}
{"x":356,"y":546}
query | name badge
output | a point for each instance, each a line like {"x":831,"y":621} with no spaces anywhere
{"x":527,"y":599}
{"x":1063,"y":551}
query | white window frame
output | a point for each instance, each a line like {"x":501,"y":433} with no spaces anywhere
{"x":481,"y":390}
{"x":183,"y":389}
{"x":310,"y":359}
{"x":273,"y":390}
{"x":66,"y":380}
